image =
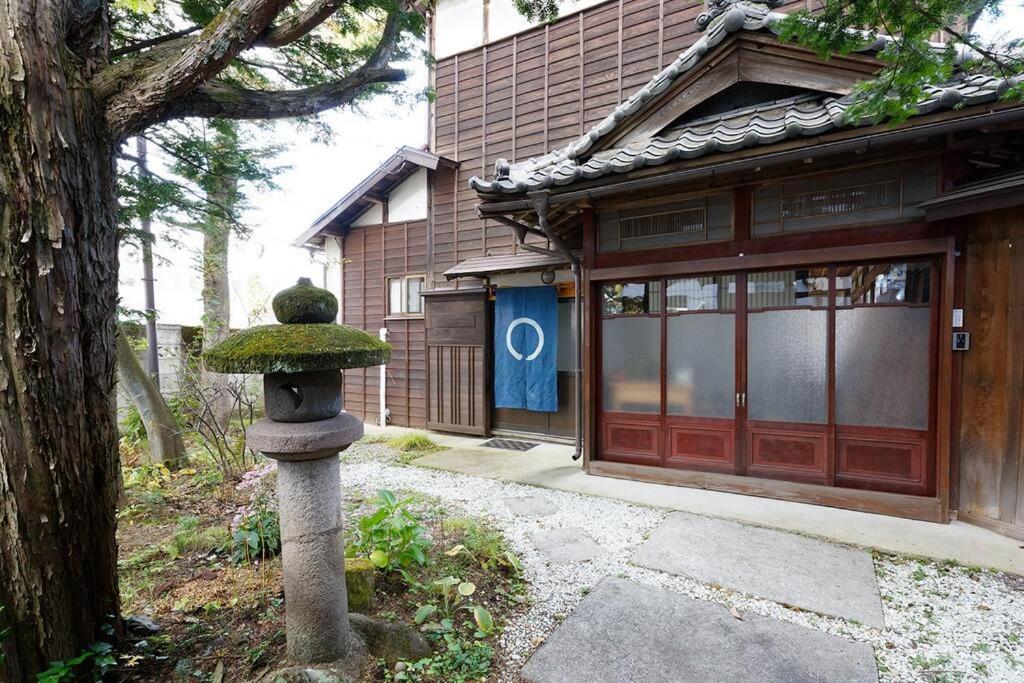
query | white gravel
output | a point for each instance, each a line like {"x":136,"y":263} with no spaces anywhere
{"x":944,"y":622}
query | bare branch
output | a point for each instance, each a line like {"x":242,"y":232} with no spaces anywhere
{"x":152,"y":42}
{"x":300,"y":24}
{"x":162,"y":83}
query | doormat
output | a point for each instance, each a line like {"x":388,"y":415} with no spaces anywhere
{"x":509,"y":444}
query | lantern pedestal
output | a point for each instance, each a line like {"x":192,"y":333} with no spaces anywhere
{"x":312,"y":538}
{"x":301,"y":361}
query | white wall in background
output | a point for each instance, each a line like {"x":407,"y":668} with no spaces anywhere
{"x":408,"y":201}
{"x":459,"y":24}
{"x":372,"y":216}
{"x":332,"y":252}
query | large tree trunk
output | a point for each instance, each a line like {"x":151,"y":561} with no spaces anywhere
{"x":162,"y":430}
{"x":217,"y":288}
{"x":59,"y":474}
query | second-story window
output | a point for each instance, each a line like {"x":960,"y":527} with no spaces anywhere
{"x":405,"y":295}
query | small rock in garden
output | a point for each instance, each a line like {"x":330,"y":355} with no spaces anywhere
{"x":391,"y":642}
{"x":141,"y":626}
{"x":359,"y":583}
{"x":304,"y":674}
{"x":561,"y":546}
{"x":531,"y":506}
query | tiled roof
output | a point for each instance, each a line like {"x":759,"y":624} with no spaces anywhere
{"x":764,"y":124}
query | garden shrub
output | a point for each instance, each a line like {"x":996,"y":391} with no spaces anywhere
{"x":391,"y":536}
{"x":412,"y":442}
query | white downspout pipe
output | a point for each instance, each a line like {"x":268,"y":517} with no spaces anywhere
{"x":383,"y":385}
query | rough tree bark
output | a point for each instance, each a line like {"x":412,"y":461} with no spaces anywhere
{"x":162,"y":429}
{"x":217,"y":289}
{"x":59,"y":474}
{"x":64,"y":109}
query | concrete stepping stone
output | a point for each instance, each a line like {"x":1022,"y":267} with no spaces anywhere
{"x":531,"y":506}
{"x":623,"y":632}
{"x":793,"y":570}
{"x":562,"y":546}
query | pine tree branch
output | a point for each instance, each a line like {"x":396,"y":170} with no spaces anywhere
{"x":300,"y":24}
{"x":164,"y":80}
{"x":225,"y":100}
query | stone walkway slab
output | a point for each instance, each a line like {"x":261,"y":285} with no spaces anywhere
{"x":567,"y":545}
{"x":624,"y":632}
{"x":794,"y":570}
{"x":531,"y":506}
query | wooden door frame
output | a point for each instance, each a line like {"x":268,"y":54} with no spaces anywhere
{"x":917,"y":507}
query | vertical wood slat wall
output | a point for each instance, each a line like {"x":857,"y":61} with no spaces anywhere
{"x":992,"y":418}
{"x":373,"y":254}
{"x":534,"y":92}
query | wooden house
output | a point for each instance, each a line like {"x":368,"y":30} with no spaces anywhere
{"x":773,"y":300}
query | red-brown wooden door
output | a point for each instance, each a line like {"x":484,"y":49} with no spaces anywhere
{"x":818,"y":374}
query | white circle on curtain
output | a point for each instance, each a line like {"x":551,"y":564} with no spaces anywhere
{"x":508,"y":338}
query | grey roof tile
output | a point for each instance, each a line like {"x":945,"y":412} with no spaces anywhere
{"x":766,"y":123}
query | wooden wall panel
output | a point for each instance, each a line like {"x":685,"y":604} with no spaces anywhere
{"x":991,"y":451}
{"x":373,"y":254}
{"x":534,"y":92}
{"x":457,"y":341}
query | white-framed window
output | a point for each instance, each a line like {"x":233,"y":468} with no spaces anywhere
{"x":405,"y":295}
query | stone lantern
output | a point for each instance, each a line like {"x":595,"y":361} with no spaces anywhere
{"x":304,"y":430}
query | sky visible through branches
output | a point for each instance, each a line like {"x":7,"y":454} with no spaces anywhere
{"x":316,"y":176}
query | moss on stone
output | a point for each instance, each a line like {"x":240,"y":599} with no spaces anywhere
{"x":359,"y":583}
{"x":305,"y":303}
{"x":296,"y":348}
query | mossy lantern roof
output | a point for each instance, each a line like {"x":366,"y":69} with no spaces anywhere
{"x":305,"y":341}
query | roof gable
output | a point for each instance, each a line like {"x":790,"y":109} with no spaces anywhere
{"x":739,"y":46}
{"x":744,"y":58}
{"x":373,"y":189}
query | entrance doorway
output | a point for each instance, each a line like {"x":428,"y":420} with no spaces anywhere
{"x":820,"y":374}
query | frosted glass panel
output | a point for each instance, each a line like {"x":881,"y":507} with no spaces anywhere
{"x":701,"y":365}
{"x":787,"y":375}
{"x":882,"y":366}
{"x":631,"y":364}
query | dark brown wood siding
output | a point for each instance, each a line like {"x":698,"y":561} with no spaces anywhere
{"x":534,"y":92}
{"x":991,"y":438}
{"x":371,"y":255}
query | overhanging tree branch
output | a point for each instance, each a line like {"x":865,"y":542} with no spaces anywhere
{"x":225,"y":100}
{"x":161,"y":83}
{"x":300,"y":24}
{"x":218,"y":99}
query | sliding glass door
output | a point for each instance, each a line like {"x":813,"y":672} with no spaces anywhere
{"x":819,"y":374}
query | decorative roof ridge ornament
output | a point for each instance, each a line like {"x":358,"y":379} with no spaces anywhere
{"x":716,"y":8}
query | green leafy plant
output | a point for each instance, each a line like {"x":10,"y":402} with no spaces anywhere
{"x":482,"y":544}
{"x":461,"y":660}
{"x":412,"y":442}
{"x":97,"y":660}
{"x":132,"y":429}
{"x":255,"y":532}
{"x":412,"y":446}
{"x":454,"y":596}
{"x":391,"y":536}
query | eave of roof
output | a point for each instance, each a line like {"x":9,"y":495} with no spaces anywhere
{"x":384,"y":178}
{"x":996,"y":192}
{"x":562,"y":167}
{"x":482,"y":266}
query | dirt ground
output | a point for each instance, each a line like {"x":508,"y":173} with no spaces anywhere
{"x":175,"y":569}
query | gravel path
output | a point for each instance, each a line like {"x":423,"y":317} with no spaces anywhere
{"x":944,"y":621}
